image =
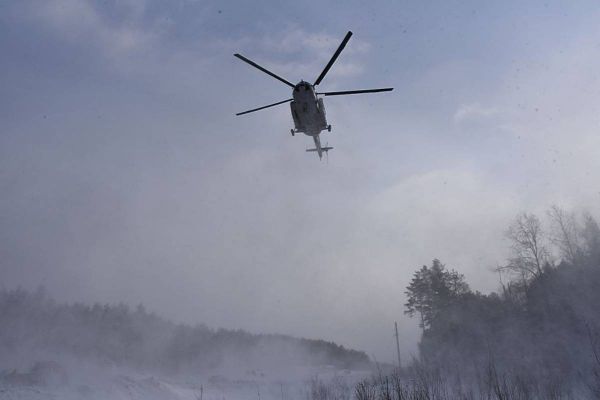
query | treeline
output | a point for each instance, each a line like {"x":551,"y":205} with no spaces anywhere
{"x":539,"y":335}
{"x":34,"y":326}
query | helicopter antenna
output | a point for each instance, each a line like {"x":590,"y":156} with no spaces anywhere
{"x":333,"y":58}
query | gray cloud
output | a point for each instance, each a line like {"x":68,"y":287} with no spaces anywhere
{"x":126,"y":177}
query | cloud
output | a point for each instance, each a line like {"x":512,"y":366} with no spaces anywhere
{"x":438,"y":212}
{"x":474,"y":111}
{"x":152,"y":180}
{"x":297,"y":52}
{"x":80,"y":23}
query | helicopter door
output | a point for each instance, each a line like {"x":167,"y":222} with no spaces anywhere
{"x":295,"y":116}
{"x":321,"y":112}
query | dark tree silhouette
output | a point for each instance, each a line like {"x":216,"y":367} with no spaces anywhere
{"x":433,"y":289}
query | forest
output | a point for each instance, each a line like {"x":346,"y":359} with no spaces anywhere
{"x":537,"y":337}
{"x":34,"y":327}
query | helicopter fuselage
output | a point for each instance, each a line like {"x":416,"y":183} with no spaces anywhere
{"x":308,"y":110}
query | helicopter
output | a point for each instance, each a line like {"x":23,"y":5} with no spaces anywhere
{"x":308,"y":109}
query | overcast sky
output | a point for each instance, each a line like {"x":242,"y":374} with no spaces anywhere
{"x":125,"y":176}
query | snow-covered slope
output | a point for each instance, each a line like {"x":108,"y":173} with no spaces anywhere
{"x":55,"y":382}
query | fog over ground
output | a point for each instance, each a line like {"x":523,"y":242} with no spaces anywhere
{"x":125,"y":175}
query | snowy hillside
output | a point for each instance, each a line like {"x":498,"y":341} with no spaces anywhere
{"x":62,"y":351}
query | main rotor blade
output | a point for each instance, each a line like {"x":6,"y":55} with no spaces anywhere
{"x":356,"y":91}
{"x":333,"y":58}
{"x":263,"y":107}
{"x":266,"y":71}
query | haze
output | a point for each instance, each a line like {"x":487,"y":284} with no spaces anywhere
{"x":125,"y":175}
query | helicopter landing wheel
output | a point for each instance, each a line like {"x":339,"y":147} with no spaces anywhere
{"x":292,"y":132}
{"x":328,"y":128}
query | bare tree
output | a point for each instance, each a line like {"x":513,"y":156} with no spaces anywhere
{"x":528,"y":244}
{"x":566,"y":234}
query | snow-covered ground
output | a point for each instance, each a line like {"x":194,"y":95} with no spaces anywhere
{"x":51,"y":380}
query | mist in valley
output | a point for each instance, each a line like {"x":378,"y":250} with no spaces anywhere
{"x":94,"y":351}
